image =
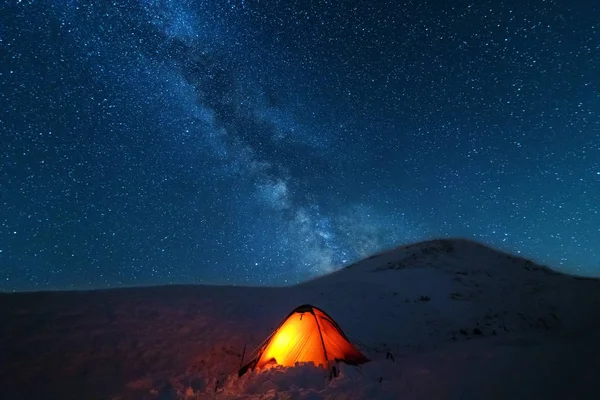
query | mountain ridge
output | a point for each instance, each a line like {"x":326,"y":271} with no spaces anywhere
{"x":453,"y":300}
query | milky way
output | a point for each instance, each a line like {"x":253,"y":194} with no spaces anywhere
{"x":248,"y":142}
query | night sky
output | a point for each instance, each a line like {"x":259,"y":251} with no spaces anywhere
{"x":265,"y":142}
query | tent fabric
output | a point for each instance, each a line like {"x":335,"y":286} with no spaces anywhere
{"x":308,"y":334}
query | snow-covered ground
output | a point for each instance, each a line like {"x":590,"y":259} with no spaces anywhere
{"x":447,"y":319}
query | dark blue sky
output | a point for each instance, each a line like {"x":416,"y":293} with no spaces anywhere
{"x":264,"y":142}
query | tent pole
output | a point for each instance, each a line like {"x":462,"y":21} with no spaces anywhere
{"x":242,"y":360}
{"x":321,"y":336}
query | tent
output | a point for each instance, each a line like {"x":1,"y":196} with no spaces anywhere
{"x":307,"y":334}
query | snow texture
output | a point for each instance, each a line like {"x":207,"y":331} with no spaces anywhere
{"x":445,"y":319}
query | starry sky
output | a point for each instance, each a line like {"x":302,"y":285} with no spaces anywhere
{"x":266,"y":142}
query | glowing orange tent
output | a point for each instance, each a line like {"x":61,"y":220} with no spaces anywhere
{"x":308,"y":334}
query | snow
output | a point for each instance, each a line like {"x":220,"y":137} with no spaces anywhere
{"x":459,"y":320}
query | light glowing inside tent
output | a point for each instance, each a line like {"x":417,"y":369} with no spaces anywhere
{"x":297,"y":340}
{"x":308,"y":334}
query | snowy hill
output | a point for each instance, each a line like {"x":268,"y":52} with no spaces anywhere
{"x":442,"y":319}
